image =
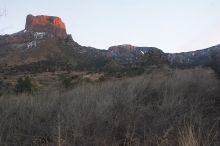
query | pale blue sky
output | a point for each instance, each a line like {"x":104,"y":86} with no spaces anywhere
{"x":171,"y":25}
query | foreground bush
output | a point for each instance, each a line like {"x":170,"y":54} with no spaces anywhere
{"x":163,"y":108}
{"x":24,"y":85}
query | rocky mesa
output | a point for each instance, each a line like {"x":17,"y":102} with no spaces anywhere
{"x":43,"y":37}
{"x":37,"y":27}
{"x":51,"y":24}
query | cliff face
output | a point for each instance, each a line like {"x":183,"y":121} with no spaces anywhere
{"x":49,"y":24}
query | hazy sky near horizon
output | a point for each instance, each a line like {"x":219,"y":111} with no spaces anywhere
{"x":171,"y":25}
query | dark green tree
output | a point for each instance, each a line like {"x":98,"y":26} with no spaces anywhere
{"x":24,"y":85}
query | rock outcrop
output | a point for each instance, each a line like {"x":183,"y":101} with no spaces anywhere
{"x":49,"y":24}
{"x":122,"y":49}
{"x":128,"y":54}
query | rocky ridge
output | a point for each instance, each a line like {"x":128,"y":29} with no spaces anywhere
{"x":203,"y":57}
{"x":45,"y":37}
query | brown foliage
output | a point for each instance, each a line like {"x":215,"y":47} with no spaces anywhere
{"x":150,"y":110}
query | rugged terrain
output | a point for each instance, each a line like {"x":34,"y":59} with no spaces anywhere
{"x":44,"y":38}
{"x":164,"y":107}
{"x":53,"y":91}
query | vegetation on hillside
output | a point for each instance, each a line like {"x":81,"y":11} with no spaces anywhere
{"x":164,"y":107}
{"x":24,"y":85}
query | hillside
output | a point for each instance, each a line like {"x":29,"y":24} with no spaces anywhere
{"x":44,"y":39}
{"x":161,"y":108}
{"x":54,"y":91}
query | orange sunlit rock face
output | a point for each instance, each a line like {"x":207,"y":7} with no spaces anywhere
{"x":50,"y":24}
{"x":44,"y":20}
{"x":58,"y":23}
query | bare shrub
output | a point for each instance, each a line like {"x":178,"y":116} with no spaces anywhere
{"x":194,"y":135}
{"x":146,"y":110}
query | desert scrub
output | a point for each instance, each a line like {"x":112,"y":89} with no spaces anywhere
{"x":24,"y":84}
{"x":150,"y":109}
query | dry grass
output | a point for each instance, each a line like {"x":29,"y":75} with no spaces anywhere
{"x":149,"y":110}
{"x":192,"y":135}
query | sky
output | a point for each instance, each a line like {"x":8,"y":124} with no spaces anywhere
{"x":171,"y":25}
